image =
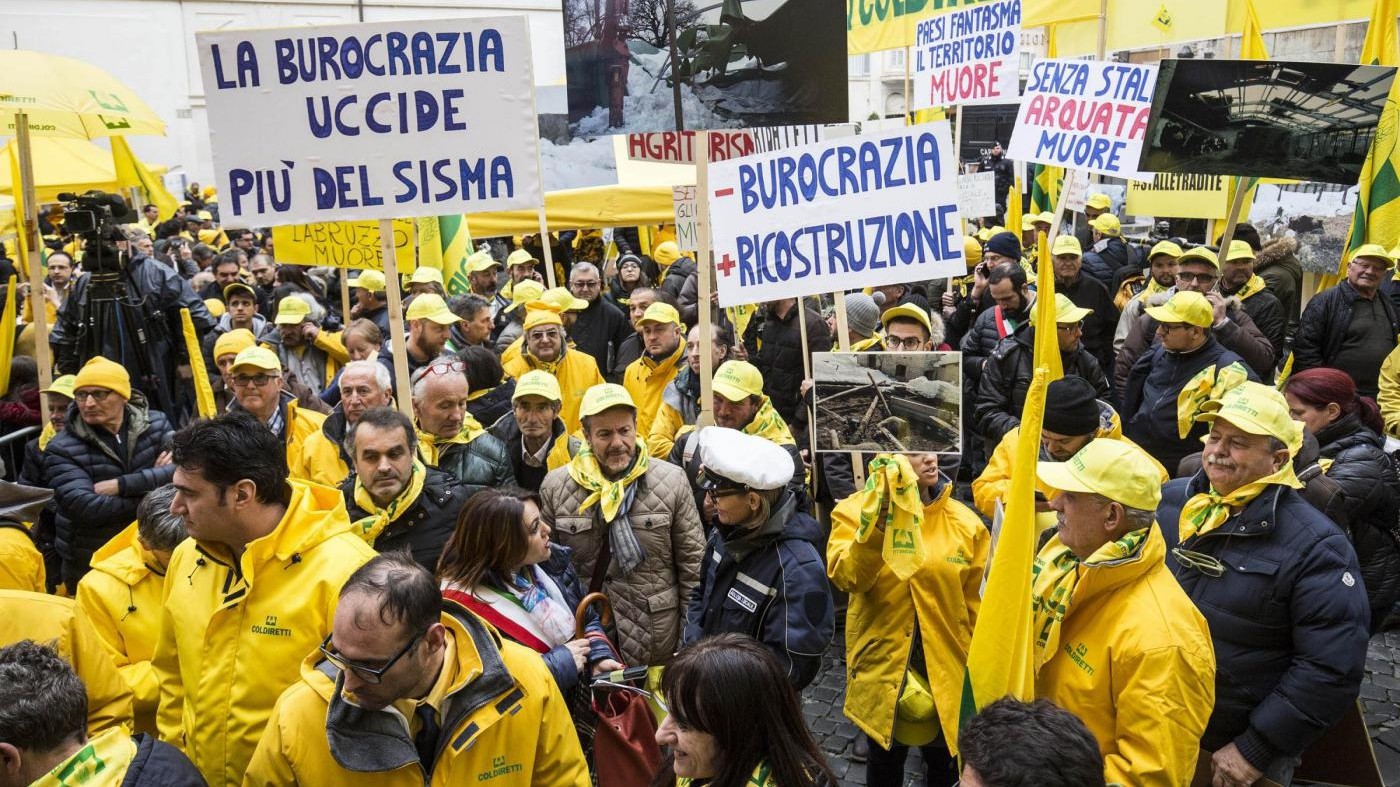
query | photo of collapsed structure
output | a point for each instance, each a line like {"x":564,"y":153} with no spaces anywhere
{"x":888,"y":402}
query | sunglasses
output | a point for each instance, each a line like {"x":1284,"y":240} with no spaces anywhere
{"x":717,"y":486}
{"x":374,"y":675}
{"x":257,"y":380}
{"x":1199,"y":561}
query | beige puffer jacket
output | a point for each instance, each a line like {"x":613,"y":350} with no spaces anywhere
{"x":648,"y":605}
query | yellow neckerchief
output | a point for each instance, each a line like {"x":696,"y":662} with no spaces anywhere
{"x":762,"y":776}
{"x":766,"y":423}
{"x":545,"y":366}
{"x":103,"y":762}
{"x":369,"y":527}
{"x":1054,"y":577}
{"x":584,"y":469}
{"x":430,"y":446}
{"x":1152,"y":287}
{"x":1206,"y":387}
{"x":1209,"y":510}
{"x":1254,"y":286}
{"x":46,"y":435}
{"x":477,"y":394}
{"x":891,"y":499}
{"x":876,"y":342}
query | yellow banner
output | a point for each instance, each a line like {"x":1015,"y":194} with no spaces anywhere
{"x":1180,"y":197}
{"x":343,"y":244}
{"x":877,"y":25}
{"x":1133,"y":24}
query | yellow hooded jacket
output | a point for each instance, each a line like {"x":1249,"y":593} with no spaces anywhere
{"x":234,"y":633}
{"x":321,"y":458}
{"x":301,"y":425}
{"x":1136,"y":664}
{"x":63,"y":624}
{"x":576,"y":373}
{"x":507,"y":725}
{"x":122,"y":598}
{"x":646,"y":380}
{"x":943,"y":596}
{"x":21,"y":563}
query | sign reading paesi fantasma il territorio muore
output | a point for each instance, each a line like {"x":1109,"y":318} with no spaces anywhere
{"x":371,"y":121}
{"x":845,"y":213}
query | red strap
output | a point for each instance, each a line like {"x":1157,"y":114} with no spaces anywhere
{"x":1001,"y":323}
{"x":503,"y":624}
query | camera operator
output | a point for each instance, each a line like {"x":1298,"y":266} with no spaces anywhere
{"x":126,"y":308}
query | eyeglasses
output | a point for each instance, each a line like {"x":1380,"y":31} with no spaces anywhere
{"x":98,"y":395}
{"x":585,"y":285}
{"x":1203,"y":278}
{"x":374,"y":675}
{"x":716,"y":486}
{"x":906,"y":343}
{"x":540,"y":335}
{"x":256,"y":380}
{"x":1199,"y":561}
{"x":1071,"y":327}
{"x":449,"y":367}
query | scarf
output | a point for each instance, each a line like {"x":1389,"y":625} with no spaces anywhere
{"x":1203,"y":390}
{"x":1209,"y":510}
{"x":762,"y":776}
{"x":890,"y":502}
{"x":369,"y":527}
{"x":46,"y":435}
{"x":1054,"y":578}
{"x":766,"y":423}
{"x":430,"y":446}
{"x":1254,"y":286}
{"x":614,"y":499}
{"x":1152,"y":288}
{"x":102,"y":762}
{"x":739,"y":317}
{"x":544,"y":603}
{"x":545,"y":366}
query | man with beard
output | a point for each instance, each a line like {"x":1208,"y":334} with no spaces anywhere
{"x":1238,"y":283}
{"x":325,"y":457}
{"x":1086,"y":293}
{"x":430,"y":325}
{"x":547,"y":349}
{"x":532,"y":431}
{"x":647,"y":377}
{"x":1159,"y":276}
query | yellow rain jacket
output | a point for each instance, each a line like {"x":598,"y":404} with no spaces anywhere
{"x":61,"y":623}
{"x":576,"y":373}
{"x":943,"y":596}
{"x":301,"y":426}
{"x":1136,"y":664}
{"x":321,"y":458}
{"x":506,"y":725}
{"x":234,"y":633}
{"x":21,"y":563}
{"x":122,"y":598}
{"x":646,"y":380}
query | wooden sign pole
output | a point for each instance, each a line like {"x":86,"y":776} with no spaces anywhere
{"x":544,"y":244}
{"x":396,"y":338}
{"x":30,"y":231}
{"x":703,"y":282}
{"x":1236,"y":205}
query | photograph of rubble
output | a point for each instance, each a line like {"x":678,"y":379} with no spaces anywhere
{"x":890,"y":402}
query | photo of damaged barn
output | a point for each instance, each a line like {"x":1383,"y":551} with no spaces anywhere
{"x":889,"y":402}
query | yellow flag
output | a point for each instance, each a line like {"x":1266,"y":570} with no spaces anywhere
{"x":445,"y":242}
{"x":1377,"y":215}
{"x":7,"y":336}
{"x":131,"y":172}
{"x":1014,"y":210}
{"x":203,"y":392}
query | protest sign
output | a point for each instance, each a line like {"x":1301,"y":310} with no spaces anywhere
{"x":844,"y":213}
{"x":1077,"y":196}
{"x":977,"y":195}
{"x":678,"y":147}
{"x":968,"y":56}
{"x":687,"y":234}
{"x":1180,"y":196}
{"x":343,"y":244}
{"x":371,"y":121}
{"x":1085,"y":115}
{"x":888,"y":401}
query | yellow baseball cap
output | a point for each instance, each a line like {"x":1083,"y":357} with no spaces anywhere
{"x":1375,"y":251}
{"x":909,"y":311}
{"x":1107,"y":223}
{"x":1065,"y":310}
{"x":1191,"y":308}
{"x":660,"y":313}
{"x":233,"y":342}
{"x":1115,"y":469}
{"x":1200,"y":253}
{"x":205,"y":215}
{"x":916,"y":716}
{"x":523,"y":292}
{"x":240,"y":288}
{"x":258,"y":358}
{"x":480,"y":261}
{"x":63,"y":386}
{"x":604,"y":397}
{"x":561,"y":300}
{"x":535,"y":317}
{"x":431,"y":306}
{"x":426,"y":275}
{"x":521,"y":257}
{"x":371,"y":281}
{"x":537,"y":382}
{"x":1046,"y":217}
{"x":1257,"y":409}
{"x":216,"y":307}
{"x":1066,"y":244}
{"x":292,"y":310}
{"x":737,"y":380}
{"x":1098,"y":202}
{"x":1164,"y":247}
{"x":1239,"y":250}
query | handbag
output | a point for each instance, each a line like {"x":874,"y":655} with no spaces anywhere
{"x":624,"y":740}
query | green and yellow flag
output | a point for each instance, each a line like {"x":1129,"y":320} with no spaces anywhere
{"x":1001,"y":659}
{"x":1377,"y":215}
{"x":445,"y":242}
{"x":131,"y":172}
{"x":1045,"y":188}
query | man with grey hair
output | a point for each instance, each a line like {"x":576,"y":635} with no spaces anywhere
{"x":474,"y":323}
{"x":394,"y":500}
{"x":325,"y":457}
{"x":122,"y":596}
{"x":43,"y":730}
{"x":449,"y":438}
{"x":601,"y":328}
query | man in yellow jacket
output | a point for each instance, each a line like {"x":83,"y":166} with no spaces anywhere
{"x":927,"y":594}
{"x":122,"y":596}
{"x":250,"y":594}
{"x":411,"y":690}
{"x":662,"y":357}
{"x":547,"y":349}
{"x":1118,"y":642}
{"x":256,"y":377}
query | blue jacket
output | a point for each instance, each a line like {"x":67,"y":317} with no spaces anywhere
{"x":1149,"y":399}
{"x":771,"y":584}
{"x":560,"y":568}
{"x":1288,"y":619}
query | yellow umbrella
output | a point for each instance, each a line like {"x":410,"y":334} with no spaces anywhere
{"x":53,"y":96}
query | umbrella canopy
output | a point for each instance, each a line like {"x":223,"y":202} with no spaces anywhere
{"x":64,"y":97}
{"x":68,"y":165}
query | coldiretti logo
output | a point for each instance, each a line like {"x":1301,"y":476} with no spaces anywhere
{"x":499,"y":767}
{"x":874,"y":11}
{"x":270,"y":628}
{"x":1077,"y":654}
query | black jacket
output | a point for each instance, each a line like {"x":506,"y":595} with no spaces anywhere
{"x":1266,"y":312}
{"x":507,"y":430}
{"x":480,"y":464}
{"x":1371,"y":500}
{"x":676,"y":275}
{"x":77,"y":458}
{"x":427,"y":524}
{"x":981,"y":341}
{"x":1323,"y":326}
{"x":1288,"y":619}
{"x":1278,"y":266}
{"x":1001,"y":393}
{"x":769,"y":583}
{"x":627,"y":352}
{"x":600,"y":330}
{"x":491,"y":406}
{"x":780,"y":355}
{"x":158,"y":764}
{"x":1106,"y":257}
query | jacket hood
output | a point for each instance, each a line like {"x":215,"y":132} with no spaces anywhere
{"x":335,"y":427}
{"x":123,"y":558}
{"x":1278,"y":251}
{"x":1110,"y":425}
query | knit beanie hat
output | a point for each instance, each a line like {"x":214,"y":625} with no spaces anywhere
{"x":666,"y":253}
{"x":1005,"y":244}
{"x":1076,"y":410}
{"x":233,"y":342}
{"x":102,"y":373}
{"x":862,"y":315}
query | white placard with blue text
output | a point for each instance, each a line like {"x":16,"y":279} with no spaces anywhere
{"x":968,"y":56}
{"x":371,"y":121}
{"x":841,"y":214}
{"x":1085,"y":115}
